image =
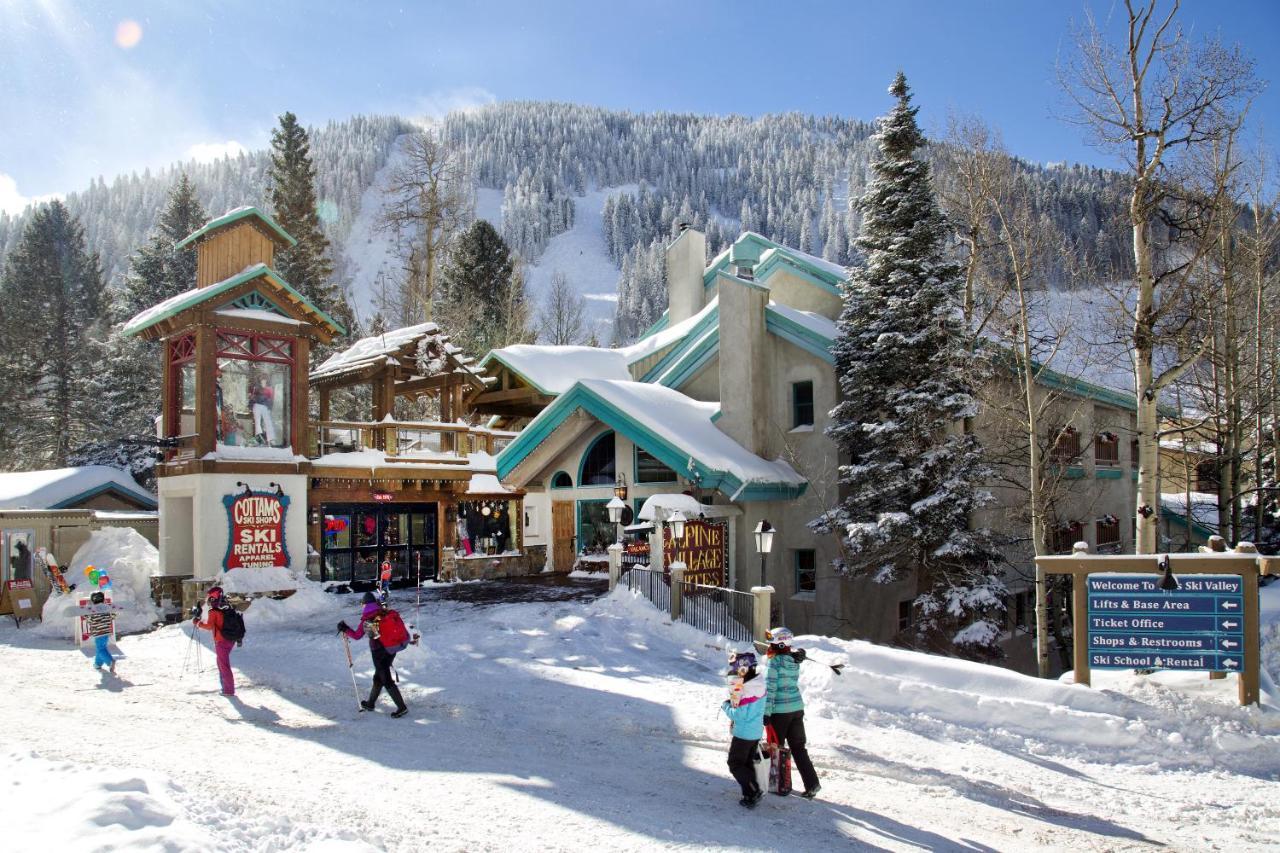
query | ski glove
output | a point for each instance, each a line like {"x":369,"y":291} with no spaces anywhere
{"x":798,"y":655}
{"x":343,"y":627}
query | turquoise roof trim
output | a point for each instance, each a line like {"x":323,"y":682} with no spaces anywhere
{"x":1181,"y":520}
{"x":580,"y":397}
{"x":235,"y":216}
{"x":752,"y":246}
{"x":658,"y":325}
{"x":781,"y":260}
{"x":802,"y":336}
{"x":198,"y":296}
{"x":694,"y":359}
{"x":139,"y":496}
{"x":711,"y":320}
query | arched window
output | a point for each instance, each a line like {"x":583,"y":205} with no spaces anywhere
{"x":562,"y":480}
{"x":598,"y":467}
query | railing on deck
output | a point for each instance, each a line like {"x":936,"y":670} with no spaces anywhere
{"x":724,"y":612}
{"x":652,"y":585}
{"x":408,"y":441}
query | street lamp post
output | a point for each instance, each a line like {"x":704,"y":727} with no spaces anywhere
{"x":616,"y":507}
{"x":764,"y":544}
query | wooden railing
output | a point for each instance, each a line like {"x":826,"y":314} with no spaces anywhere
{"x":408,"y":441}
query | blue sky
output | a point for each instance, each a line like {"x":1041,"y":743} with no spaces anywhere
{"x":84,"y":93}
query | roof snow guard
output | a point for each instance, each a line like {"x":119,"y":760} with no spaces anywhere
{"x":189,"y":299}
{"x":265,"y":224}
{"x":675,"y":429}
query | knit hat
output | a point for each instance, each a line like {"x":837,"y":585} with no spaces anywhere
{"x":370,"y":609}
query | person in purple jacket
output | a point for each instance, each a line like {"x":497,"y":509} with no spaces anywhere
{"x":382,"y":659}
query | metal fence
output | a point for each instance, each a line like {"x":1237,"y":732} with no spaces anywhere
{"x":652,"y":585}
{"x":724,"y":612}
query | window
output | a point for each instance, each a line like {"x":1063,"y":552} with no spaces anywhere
{"x":1107,"y":534}
{"x":1133,"y":453}
{"x":1066,"y":448}
{"x":806,"y":570}
{"x":650,"y":470}
{"x":1106,"y":449}
{"x":905,"y":609}
{"x":561,"y":480}
{"x":801,"y":404}
{"x":598,"y":467}
{"x":1065,"y":535}
{"x":1208,"y":476}
{"x":252,"y":402}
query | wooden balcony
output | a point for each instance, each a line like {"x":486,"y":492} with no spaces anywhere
{"x":413,"y":442}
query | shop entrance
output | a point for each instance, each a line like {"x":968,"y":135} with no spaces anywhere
{"x":357,"y":538}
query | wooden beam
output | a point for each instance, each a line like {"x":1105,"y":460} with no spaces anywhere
{"x":488,"y":397}
{"x":301,"y":404}
{"x":207,"y":413}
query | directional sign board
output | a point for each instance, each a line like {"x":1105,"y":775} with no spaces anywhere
{"x":1133,"y":624}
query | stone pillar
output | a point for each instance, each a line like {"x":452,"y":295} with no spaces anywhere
{"x":677,"y":591}
{"x":615,"y":565}
{"x":761,"y":612}
{"x":655,"y":548}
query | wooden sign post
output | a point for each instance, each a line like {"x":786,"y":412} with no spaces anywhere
{"x":18,"y":599}
{"x":1201,"y":626}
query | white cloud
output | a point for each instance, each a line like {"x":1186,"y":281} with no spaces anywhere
{"x":207,"y":152}
{"x":13,"y":202}
{"x":436,"y":105}
{"x":601,"y":297}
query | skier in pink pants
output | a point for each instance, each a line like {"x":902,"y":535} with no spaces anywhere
{"x":221,"y":643}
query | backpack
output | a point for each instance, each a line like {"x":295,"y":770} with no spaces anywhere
{"x":232,"y":624}
{"x":392,"y":633}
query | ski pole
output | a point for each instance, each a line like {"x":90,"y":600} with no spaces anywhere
{"x":351,"y":667}
{"x":835,"y":667}
{"x":417,"y":600}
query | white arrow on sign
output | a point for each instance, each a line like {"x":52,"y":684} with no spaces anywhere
{"x":1229,"y":605}
{"x":1229,"y":644}
{"x":1230,"y":663}
{"x":1229,"y":624}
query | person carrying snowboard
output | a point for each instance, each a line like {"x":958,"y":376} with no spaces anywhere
{"x":227,"y":626}
{"x":387,"y":637}
{"x":745,"y":707}
{"x":101,"y":620}
{"x":784,"y":707}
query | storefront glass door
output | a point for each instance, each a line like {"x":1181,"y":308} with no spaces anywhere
{"x":357,"y":538}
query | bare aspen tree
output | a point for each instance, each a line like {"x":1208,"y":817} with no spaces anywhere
{"x":561,"y":319}
{"x":1155,"y":99}
{"x":428,"y":200}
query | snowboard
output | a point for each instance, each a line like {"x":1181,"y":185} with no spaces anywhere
{"x":779,"y":765}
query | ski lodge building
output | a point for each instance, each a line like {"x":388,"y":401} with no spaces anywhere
{"x":249,"y":480}
{"x":725,"y":400}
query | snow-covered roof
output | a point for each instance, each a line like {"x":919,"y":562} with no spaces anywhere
{"x":675,"y":429}
{"x":552,"y":370}
{"x":391,"y":347}
{"x":257,"y":314}
{"x":188,"y":299}
{"x":822,"y":327}
{"x":59,"y":488}
{"x":1204,"y":508}
{"x":272,"y":228}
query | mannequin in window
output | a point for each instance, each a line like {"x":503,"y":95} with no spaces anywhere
{"x":261,"y":397}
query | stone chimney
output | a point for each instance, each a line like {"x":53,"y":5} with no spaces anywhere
{"x":745,"y":378}
{"x":686,"y":259}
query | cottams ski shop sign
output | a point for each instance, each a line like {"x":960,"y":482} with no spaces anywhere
{"x":1133,"y":624}
{"x":256,"y":521}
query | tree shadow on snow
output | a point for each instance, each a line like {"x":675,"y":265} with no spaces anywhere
{"x":990,"y":794}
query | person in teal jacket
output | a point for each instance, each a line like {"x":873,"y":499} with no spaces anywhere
{"x":745,"y":707}
{"x":784,"y":707}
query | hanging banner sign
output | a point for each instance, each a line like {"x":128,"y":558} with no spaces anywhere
{"x":256,"y":521}
{"x":704,"y":551}
{"x":383,"y":497}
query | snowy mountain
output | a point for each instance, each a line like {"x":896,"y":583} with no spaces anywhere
{"x":588,"y":192}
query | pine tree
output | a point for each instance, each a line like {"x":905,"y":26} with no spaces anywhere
{"x":306,"y":266}
{"x":53,"y":297}
{"x":156,"y":271}
{"x":480,"y":292}
{"x":912,"y":479}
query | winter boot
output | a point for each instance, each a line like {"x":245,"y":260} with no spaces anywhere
{"x":366,"y":704}
{"x":812,"y":792}
{"x":400,"y":712}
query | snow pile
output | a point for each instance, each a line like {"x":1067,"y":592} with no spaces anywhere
{"x":68,"y":806}
{"x":258,"y":579}
{"x":54,"y":487}
{"x":130,"y":561}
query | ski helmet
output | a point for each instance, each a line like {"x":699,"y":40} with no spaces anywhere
{"x":214,"y":593}
{"x":97,"y":598}
{"x":369,"y":598}
{"x":740,"y":662}
{"x":779,"y":636}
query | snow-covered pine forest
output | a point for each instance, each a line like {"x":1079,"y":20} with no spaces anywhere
{"x":789,"y":177}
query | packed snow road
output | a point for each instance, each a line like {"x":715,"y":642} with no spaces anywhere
{"x":573,"y":725}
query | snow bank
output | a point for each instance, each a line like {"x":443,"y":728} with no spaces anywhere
{"x":130,"y":561}
{"x":264,"y":579}
{"x":308,"y":600}
{"x":57,"y":805}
